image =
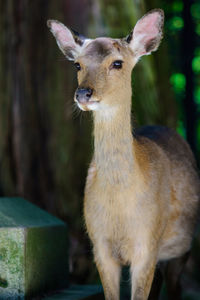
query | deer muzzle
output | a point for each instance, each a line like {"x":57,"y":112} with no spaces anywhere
{"x":83,"y":95}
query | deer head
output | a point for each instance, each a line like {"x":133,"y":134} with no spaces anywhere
{"x":104,"y":64}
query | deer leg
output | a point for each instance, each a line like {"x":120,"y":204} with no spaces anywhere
{"x":173,"y":272}
{"x":142,"y":273}
{"x":156,"y":285}
{"x":109,"y":270}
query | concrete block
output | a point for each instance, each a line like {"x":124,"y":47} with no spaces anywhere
{"x":33,"y":250}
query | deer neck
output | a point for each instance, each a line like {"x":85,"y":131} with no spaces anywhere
{"x":113,"y":143}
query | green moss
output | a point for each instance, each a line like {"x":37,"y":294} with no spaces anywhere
{"x":3,"y":253}
{"x":11,"y":262}
{"x":33,"y":250}
{"x":3,"y":283}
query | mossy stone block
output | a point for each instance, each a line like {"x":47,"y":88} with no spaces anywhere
{"x":33,"y":250}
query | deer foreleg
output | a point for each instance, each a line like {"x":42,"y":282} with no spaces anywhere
{"x":109,"y":270}
{"x":142,"y":273}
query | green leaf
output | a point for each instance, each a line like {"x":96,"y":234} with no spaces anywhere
{"x":197,"y":95}
{"x":180,"y":128}
{"x":177,"y":6}
{"x":196,"y":64}
{"x":178,"y":82}
{"x":195,"y":11}
{"x":176,"y":23}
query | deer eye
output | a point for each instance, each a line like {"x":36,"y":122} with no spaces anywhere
{"x":78,"y":66}
{"x":117,"y":64}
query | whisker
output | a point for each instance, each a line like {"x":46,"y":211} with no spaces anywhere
{"x":62,"y":59}
{"x":76,"y":111}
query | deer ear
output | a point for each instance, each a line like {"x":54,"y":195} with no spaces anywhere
{"x":147,"y":33}
{"x":69,"y":41}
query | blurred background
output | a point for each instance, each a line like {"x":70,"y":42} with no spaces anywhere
{"x":45,"y":143}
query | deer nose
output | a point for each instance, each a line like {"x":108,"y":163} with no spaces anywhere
{"x":83,"y":94}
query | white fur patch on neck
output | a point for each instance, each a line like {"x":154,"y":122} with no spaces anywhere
{"x":105,"y":112}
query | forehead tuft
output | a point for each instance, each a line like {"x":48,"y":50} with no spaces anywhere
{"x":100,"y":47}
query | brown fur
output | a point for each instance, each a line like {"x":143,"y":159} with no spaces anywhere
{"x":141,"y":194}
{"x":142,"y":191}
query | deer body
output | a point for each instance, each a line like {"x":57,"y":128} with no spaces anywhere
{"x":142,"y":190}
{"x":140,"y":211}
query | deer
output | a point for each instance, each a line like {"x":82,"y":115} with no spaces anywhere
{"x":142,"y":189}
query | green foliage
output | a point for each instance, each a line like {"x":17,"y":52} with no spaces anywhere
{"x":195,"y":10}
{"x":198,"y":135}
{"x":178,"y":82}
{"x":196,"y":64}
{"x":177,"y":6}
{"x":180,"y":128}
{"x":197,"y":96}
{"x":175,"y":23}
{"x":197,"y":29}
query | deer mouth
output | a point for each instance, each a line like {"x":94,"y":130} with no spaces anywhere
{"x":89,"y":105}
